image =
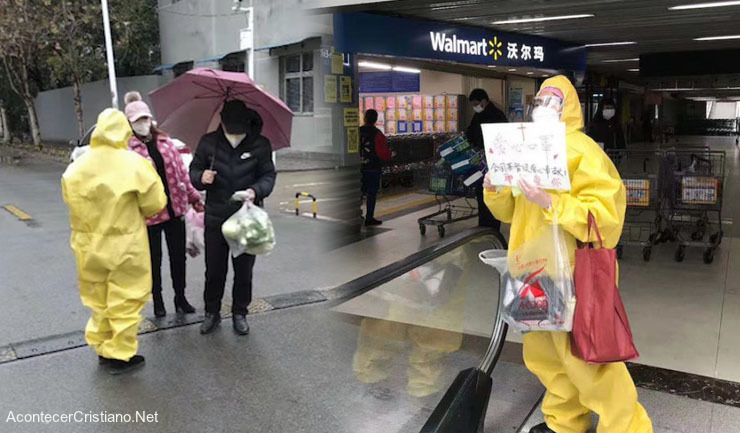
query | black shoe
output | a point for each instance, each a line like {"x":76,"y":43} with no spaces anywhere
{"x":541,"y":428}
{"x":117,"y":366}
{"x":372,"y":222}
{"x":103,"y":361}
{"x":159,"y":310}
{"x":241,"y":326}
{"x":210,"y":323}
{"x":182,"y":306}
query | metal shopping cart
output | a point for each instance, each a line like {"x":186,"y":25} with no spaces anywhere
{"x":640,"y":172}
{"x":447,"y":188}
{"x":694,"y":200}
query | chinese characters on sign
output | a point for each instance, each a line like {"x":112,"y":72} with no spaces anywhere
{"x":351,"y":117}
{"x":345,"y":89}
{"x":534,"y":152}
{"x":353,"y":140}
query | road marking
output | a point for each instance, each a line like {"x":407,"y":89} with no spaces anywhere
{"x":406,"y":206}
{"x":319,"y":200}
{"x":17,"y":212}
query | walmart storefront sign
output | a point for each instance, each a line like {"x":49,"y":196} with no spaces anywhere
{"x":365,"y":33}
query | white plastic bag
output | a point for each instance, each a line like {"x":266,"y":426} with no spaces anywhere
{"x":249,"y":231}
{"x":194,"y":232}
{"x":537,"y":291}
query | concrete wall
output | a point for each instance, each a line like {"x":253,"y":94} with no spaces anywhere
{"x":56,"y":111}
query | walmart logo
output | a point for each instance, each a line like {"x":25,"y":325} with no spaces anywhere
{"x":495,"y":48}
{"x":446,"y":44}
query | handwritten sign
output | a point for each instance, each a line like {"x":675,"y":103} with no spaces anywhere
{"x":534,"y":152}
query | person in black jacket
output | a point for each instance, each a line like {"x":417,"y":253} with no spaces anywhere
{"x":485,"y":112}
{"x":235,"y":159}
{"x":605,"y":128}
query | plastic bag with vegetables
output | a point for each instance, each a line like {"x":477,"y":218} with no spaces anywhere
{"x":249,"y":231}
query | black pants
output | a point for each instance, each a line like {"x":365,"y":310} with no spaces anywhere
{"x":174,"y":233}
{"x":217,"y":265}
{"x":485,"y":217}
{"x":370,"y":187}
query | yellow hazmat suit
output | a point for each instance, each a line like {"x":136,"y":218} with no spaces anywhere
{"x":575,"y":388}
{"x":110,"y":191}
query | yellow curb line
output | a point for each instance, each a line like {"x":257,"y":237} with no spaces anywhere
{"x":18,"y":213}
{"x":405,"y":206}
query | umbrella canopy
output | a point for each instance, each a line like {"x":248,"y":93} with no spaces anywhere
{"x":190,"y":106}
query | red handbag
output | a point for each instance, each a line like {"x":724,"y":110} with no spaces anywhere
{"x":601,"y":332}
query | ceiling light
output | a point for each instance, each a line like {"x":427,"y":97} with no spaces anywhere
{"x":530,"y":73}
{"x":621,"y":60}
{"x":540,"y":19}
{"x":373,"y":65}
{"x":512,"y":70}
{"x":718,"y":38}
{"x":704,"y":5}
{"x":634,"y":70}
{"x":491,"y":66}
{"x":405,"y":69}
{"x":545,"y":75}
{"x":610,"y":44}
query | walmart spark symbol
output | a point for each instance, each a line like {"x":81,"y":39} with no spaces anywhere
{"x":495,"y":50}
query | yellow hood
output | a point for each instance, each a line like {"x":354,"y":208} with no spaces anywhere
{"x":111,"y":130}
{"x":572,"y":115}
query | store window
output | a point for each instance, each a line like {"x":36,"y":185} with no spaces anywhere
{"x":297,"y":82}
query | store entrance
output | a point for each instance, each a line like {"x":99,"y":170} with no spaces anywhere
{"x":423,"y":104}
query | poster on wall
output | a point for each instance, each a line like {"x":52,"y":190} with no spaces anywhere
{"x":353,"y":140}
{"x":516,"y":104}
{"x":534,"y":152}
{"x":337,"y":63}
{"x":330,"y":89}
{"x":351,"y":117}
{"x":345,"y":89}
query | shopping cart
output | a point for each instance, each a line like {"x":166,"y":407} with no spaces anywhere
{"x":640,"y":173}
{"x":447,"y":188}
{"x":694,"y":200}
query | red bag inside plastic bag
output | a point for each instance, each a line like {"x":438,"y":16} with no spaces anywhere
{"x":601,"y":332}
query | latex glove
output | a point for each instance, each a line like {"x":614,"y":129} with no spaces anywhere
{"x":535,"y":194}
{"x":246,"y":195}
{"x":199,"y":207}
{"x":487,"y":183}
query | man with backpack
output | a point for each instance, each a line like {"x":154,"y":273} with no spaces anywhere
{"x":373,"y":151}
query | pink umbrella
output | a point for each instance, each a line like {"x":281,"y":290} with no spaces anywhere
{"x":190,"y":106}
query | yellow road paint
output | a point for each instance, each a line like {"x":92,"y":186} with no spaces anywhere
{"x":405,"y":206}
{"x":18,"y":213}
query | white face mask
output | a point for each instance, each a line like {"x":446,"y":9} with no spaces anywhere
{"x":235,"y":139}
{"x":479,"y":108}
{"x":544,"y":114}
{"x":142,"y":127}
{"x":608,"y":114}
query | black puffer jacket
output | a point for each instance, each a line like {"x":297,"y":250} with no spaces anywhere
{"x":248,"y":166}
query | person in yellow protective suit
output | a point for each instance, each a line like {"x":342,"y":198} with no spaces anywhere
{"x":110,"y":191}
{"x":574,"y":388}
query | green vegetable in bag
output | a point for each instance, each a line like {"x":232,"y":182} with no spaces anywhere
{"x":249,"y":231}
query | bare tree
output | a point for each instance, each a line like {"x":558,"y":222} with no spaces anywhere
{"x":21,"y":40}
{"x":77,"y":52}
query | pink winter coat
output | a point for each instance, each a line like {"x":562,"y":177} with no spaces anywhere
{"x":182,"y":192}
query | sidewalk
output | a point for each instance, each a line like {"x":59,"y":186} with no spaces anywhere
{"x":38,"y":268}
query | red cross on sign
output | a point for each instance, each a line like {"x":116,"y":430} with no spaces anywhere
{"x":522,"y":128}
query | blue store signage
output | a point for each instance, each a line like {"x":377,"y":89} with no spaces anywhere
{"x":364,"y":33}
